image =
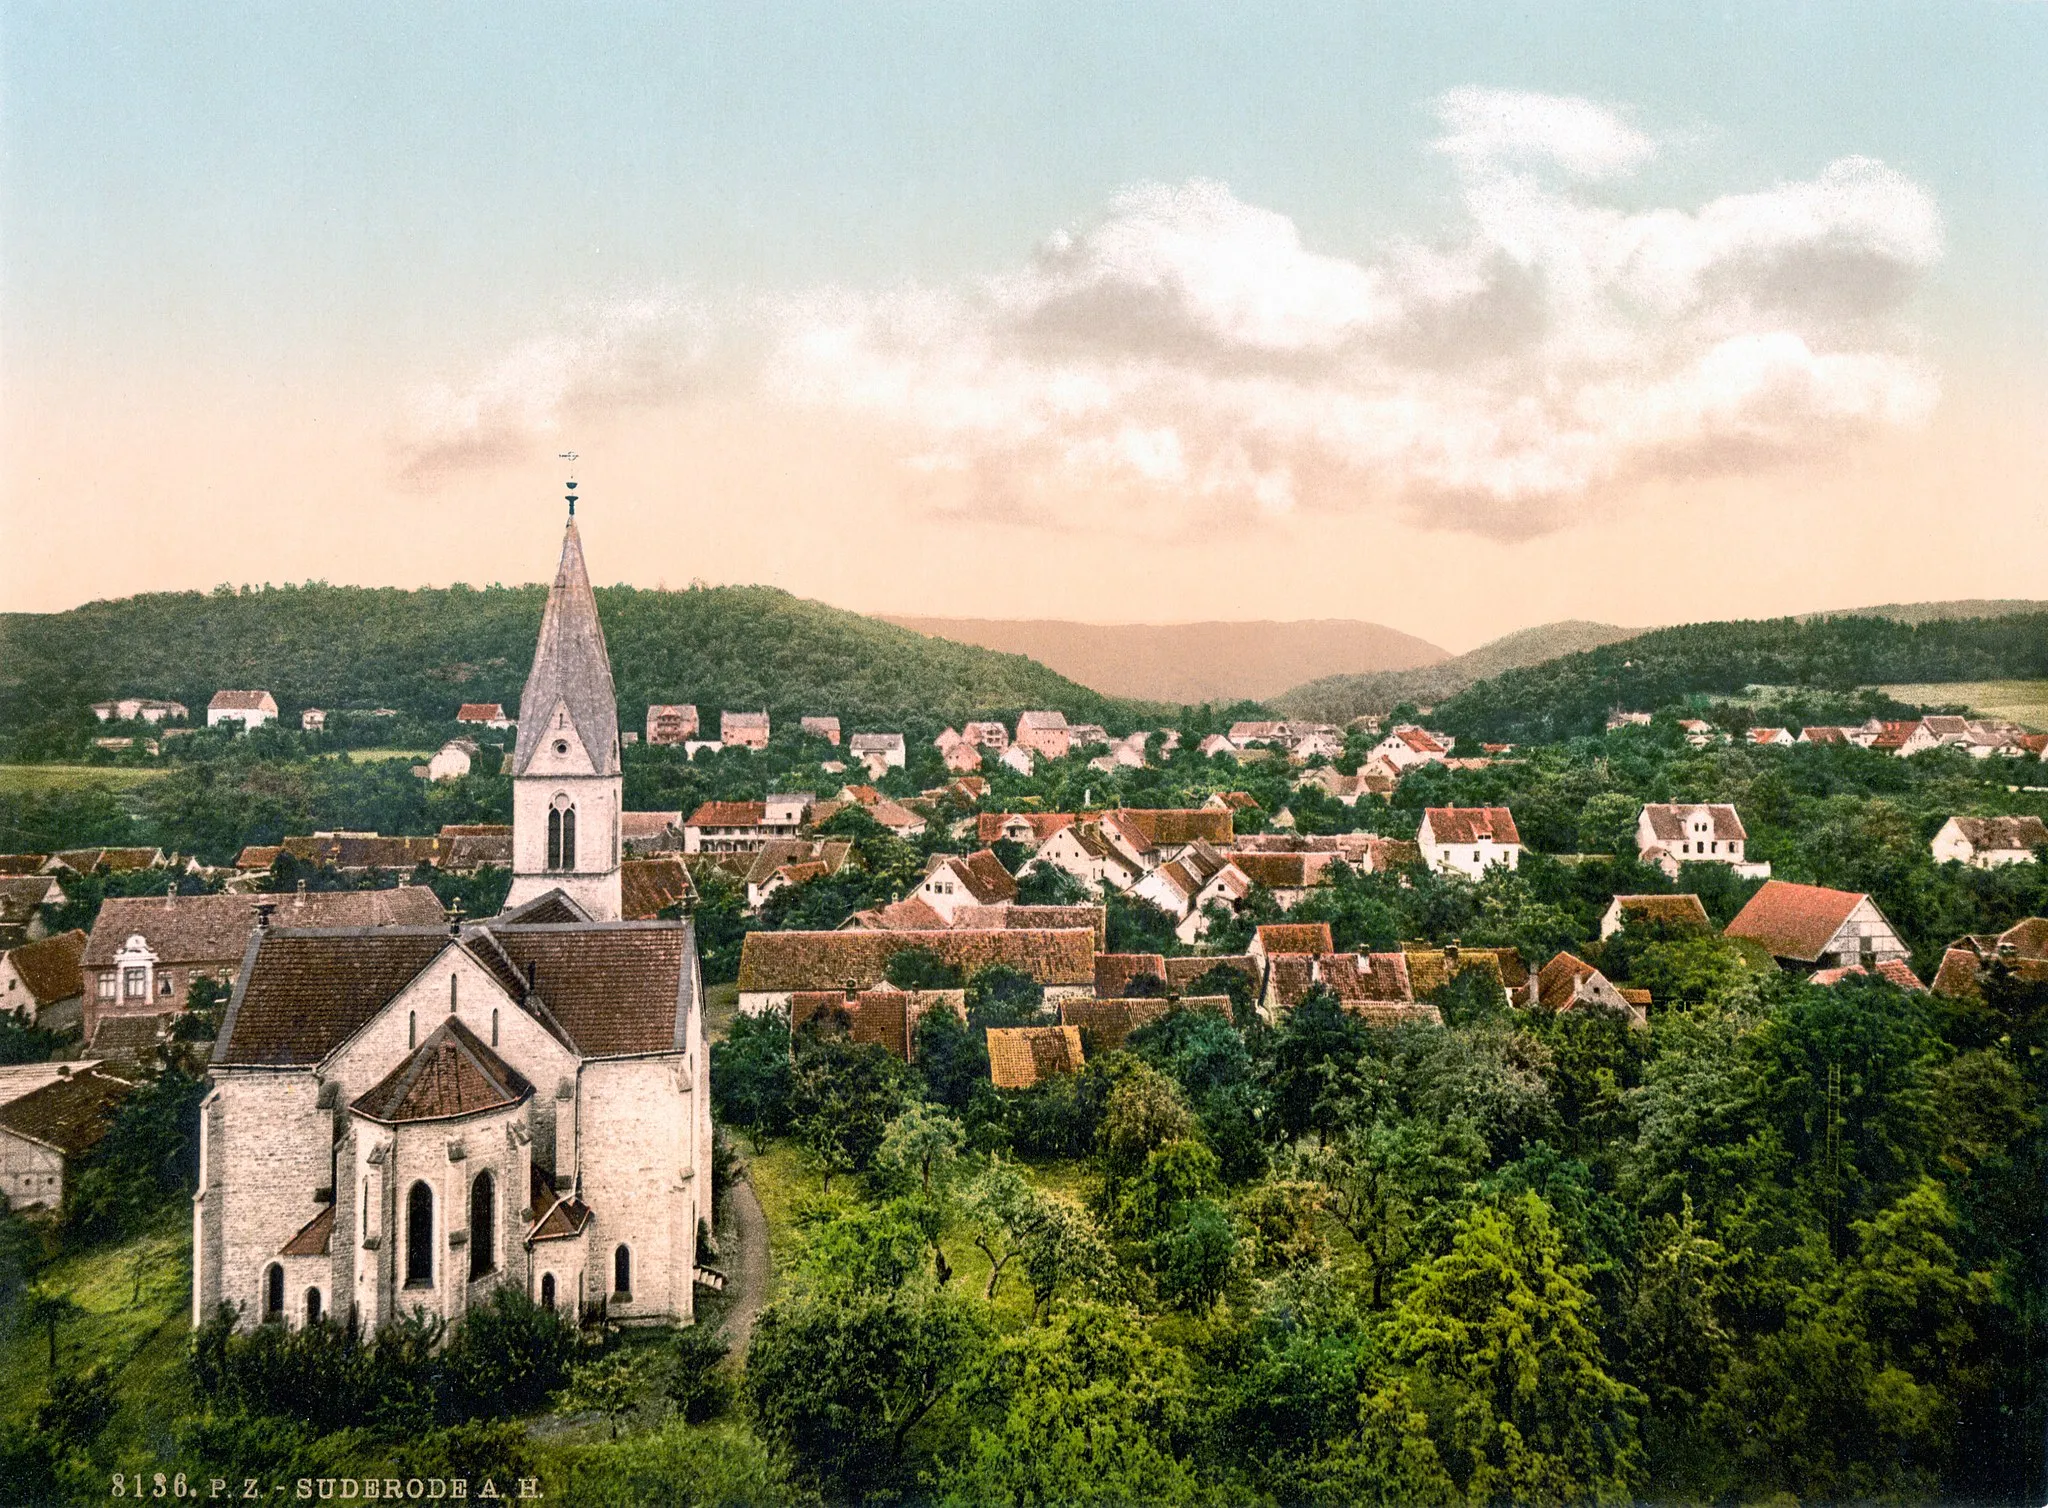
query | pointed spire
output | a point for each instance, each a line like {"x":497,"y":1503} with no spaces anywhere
{"x":570,"y":669}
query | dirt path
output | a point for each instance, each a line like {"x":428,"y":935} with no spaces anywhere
{"x":749,"y":1274}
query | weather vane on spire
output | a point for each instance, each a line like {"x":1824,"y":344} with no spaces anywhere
{"x":570,"y":457}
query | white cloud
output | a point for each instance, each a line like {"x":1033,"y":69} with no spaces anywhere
{"x":1187,"y":357}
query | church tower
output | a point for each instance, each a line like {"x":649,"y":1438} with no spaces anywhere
{"x":567,"y":787}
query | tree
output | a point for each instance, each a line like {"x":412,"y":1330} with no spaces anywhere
{"x":1193,"y":1256}
{"x":1003,"y":1212}
{"x":1497,"y":1344}
{"x":752,"y":1081}
{"x":1002,"y":996}
{"x":843,"y":1097}
{"x":921,"y":1142}
{"x":920,"y":968}
{"x":1607,"y":824}
{"x":609,"y":1386}
{"x":46,"y":1309}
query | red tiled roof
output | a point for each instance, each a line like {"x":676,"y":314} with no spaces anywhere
{"x":1557,"y":981}
{"x":1794,"y":921}
{"x":215,"y":929}
{"x":729,"y":814}
{"x":648,"y":887}
{"x":242,"y":701}
{"x":1155,"y":827}
{"x":48,"y":969}
{"x":479,"y":712}
{"x":1115,"y":971}
{"x":1472,"y":824}
{"x":1897,"y":970}
{"x":450,"y":1074}
{"x":313,"y":1237}
{"x":988,"y":826}
{"x":1295,"y":937}
{"x":912,"y":914}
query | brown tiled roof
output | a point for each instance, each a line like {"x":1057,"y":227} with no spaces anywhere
{"x":729,"y":814}
{"x":472,"y":851}
{"x":1986,"y":834}
{"x":485,"y":829}
{"x":241,"y":701}
{"x":1237,"y":801}
{"x":911,"y":914}
{"x":1284,"y":871}
{"x":1674,"y":910}
{"x":1108,"y":1020}
{"x":258,"y":855}
{"x":1155,"y":827}
{"x":188,"y":929}
{"x":778,"y":961}
{"x":1897,"y":970}
{"x":1115,"y":971}
{"x":1021,"y":1056}
{"x":2025,"y":939}
{"x":1819,"y":735}
{"x":1471,"y":824}
{"x":1794,"y":921}
{"x":305,"y":993}
{"x":131,"y":1038}
{"x":450,"y":1074}
{"x":556,"y":1218}
{"x":616,"y":989}
{"x":1668,"y":820}
{"x":22,"y":863}
{"x":549,"y":908}
{"x":1430,"y":969}
{"x":1295,"y":937}
{"x":637,"y":826}
{"x":69,"y":1115}
{"x":982,"y":873}
{"x":648,"y":887}
{"x":1181,"y":973}
{"x":895,"y":816}
{"x":20,"y":895}
{"x":49,"y":968}
{"x":313,"y":1238}
{"x":107,"y":860}
{"x":1557,"y":981}
{"x":478,"y":712}
{"x":364,"y":851}
{"x":1034,"y":918}
{"x":1956,"y":979}
{"x":1372,"y":979}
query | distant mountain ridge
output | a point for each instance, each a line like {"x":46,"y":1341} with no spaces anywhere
{"x":1339,"y":698}
{"x":1938,"y":612}
{"x":1192,"y":662}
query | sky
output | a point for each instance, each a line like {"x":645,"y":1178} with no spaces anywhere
{"x":1459,"y":318}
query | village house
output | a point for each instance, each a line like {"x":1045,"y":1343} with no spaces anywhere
{"x":1904,"y":739}
{"x":453,"y":760}
{"x":404,"y":1119}
{"x":2021,"y":950}
{"x":1029,"y":829}
{"x":826,"y":728}
{"x":1043,"y":733}
{"x":1895,"y":971}
{"x":140,"y":709}
{"x":1769,"y":738}
{"x":1126,"y":753}
{"x":961,"y":756}
{"x":782,"y":862}
{"x":40,"y":982}
{"x":913,"y":915}
{"x":483,"y":715}
{"x":44,"y":1132}
{"x":1215,"y":744}
{"x":1675,"y":911}
{"x":1020,"y":1057}
{"x":1987,"y":842}
{"x":111,"y":861}
{"x":884,"y":1016}
{"x":1813,"y":927}
{"x":1468,"y":840}
{"x":1672,"y":834}
{"x":1823,"y":735}
{"x":1619,"y":720}
{"x":1377,"y":987}
{"x":743,"y":826}
{"x":1019,"y":759}
{"x":886,"y":811}
{"x":358,"y":853}
{"x":775,"y":965}
{"x":22,"y":899}
{"x":992,"y":736}
{"x":1107,"y":1020}
{"x":1275,"y":938}
{"x":878,"y":751}
{"x":671,"y":723}
{"x":1408,"y":746}
{"x":1086,"y":735}
{"x":313,"y":720}
{"x":1185,"y":888}
{"x":1430,"y":969}
{"x":651,"y":832}
{"x":1569,"y":983}
{"x":743,"y":730}
{"x":1149,"y":837}
{"x":1289,"y":875}
{"x":955,"y":880}
{"x":145,"y":951}
{"x":252,"y":709}
{"x":654,"y":889}
{"x":1085,"y":852}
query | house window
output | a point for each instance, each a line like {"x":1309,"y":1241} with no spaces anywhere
{"x":163,"y":984}
{"x":562,"y":834}
{"x":312,"y":1306}
{"x":483,"y":1226}
{"x":622,"y":1272}
{"x":419,"y":1237}
{"x":547,"y":1292}
{"x":106,"y":987}
{"x":273,"y":1293}
{"x":134,"y":984}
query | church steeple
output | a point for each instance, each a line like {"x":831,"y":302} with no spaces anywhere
{"x":571,"y":671}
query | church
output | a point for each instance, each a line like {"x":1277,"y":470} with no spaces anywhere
{"x":406,"y":1119}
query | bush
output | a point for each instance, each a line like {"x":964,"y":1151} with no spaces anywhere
{"x":695,"y":1386}
{"x":507,"y":1356}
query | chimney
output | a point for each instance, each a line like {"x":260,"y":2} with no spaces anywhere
{"x":170,"y":894}
{"x":263,"y":910}
{"x":300,"y":898}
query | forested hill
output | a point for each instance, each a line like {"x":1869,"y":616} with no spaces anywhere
{"x":1339,"y":698}
{"x":1573,"y":695}
{"x":426,"y":651}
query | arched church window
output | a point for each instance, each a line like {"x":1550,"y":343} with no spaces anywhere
{"x":366,"y":1209}
{"x":419,"y":1237}
{"x":483,"y":1225}
{"x":312,"y":1306}
{"x":562,"y":834}
{"x":273,"y":1293}
{"x":622,"y":1272}
{"x":494,"y":1026}
{"x":547,"y":1292}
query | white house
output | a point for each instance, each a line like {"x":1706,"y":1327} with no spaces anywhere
{"x":454,"y":759}
{"x":403,"y":1120}
{"x":952,"y":881}
{"x":1669,"y":834}
{"x":147,"y":709}
{"x":1987,"y":842}
{"x":1083,"y":852}
{"x":1017,"y":758}
{"x":743,"y":730}
{"x":878,"y":751}
{"x":1818,"y":928}
{"x":45,"y":1131}
{"x":1469,"y":840}
{"x":252,"y":709}
{"x":744,"y":826}
{"x":1408,"y":746}
{"x":313,"y":720}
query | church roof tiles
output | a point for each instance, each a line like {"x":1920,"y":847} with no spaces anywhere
{"x":450,"y":1074}
{"x":571,"y":669}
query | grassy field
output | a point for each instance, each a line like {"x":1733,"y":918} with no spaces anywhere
{"x":136,"y":1299}
{"x":377,"y":756}
{"x":16,"y":778}
{"x":721,"y":1004}
{"x":2017,"y":701}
